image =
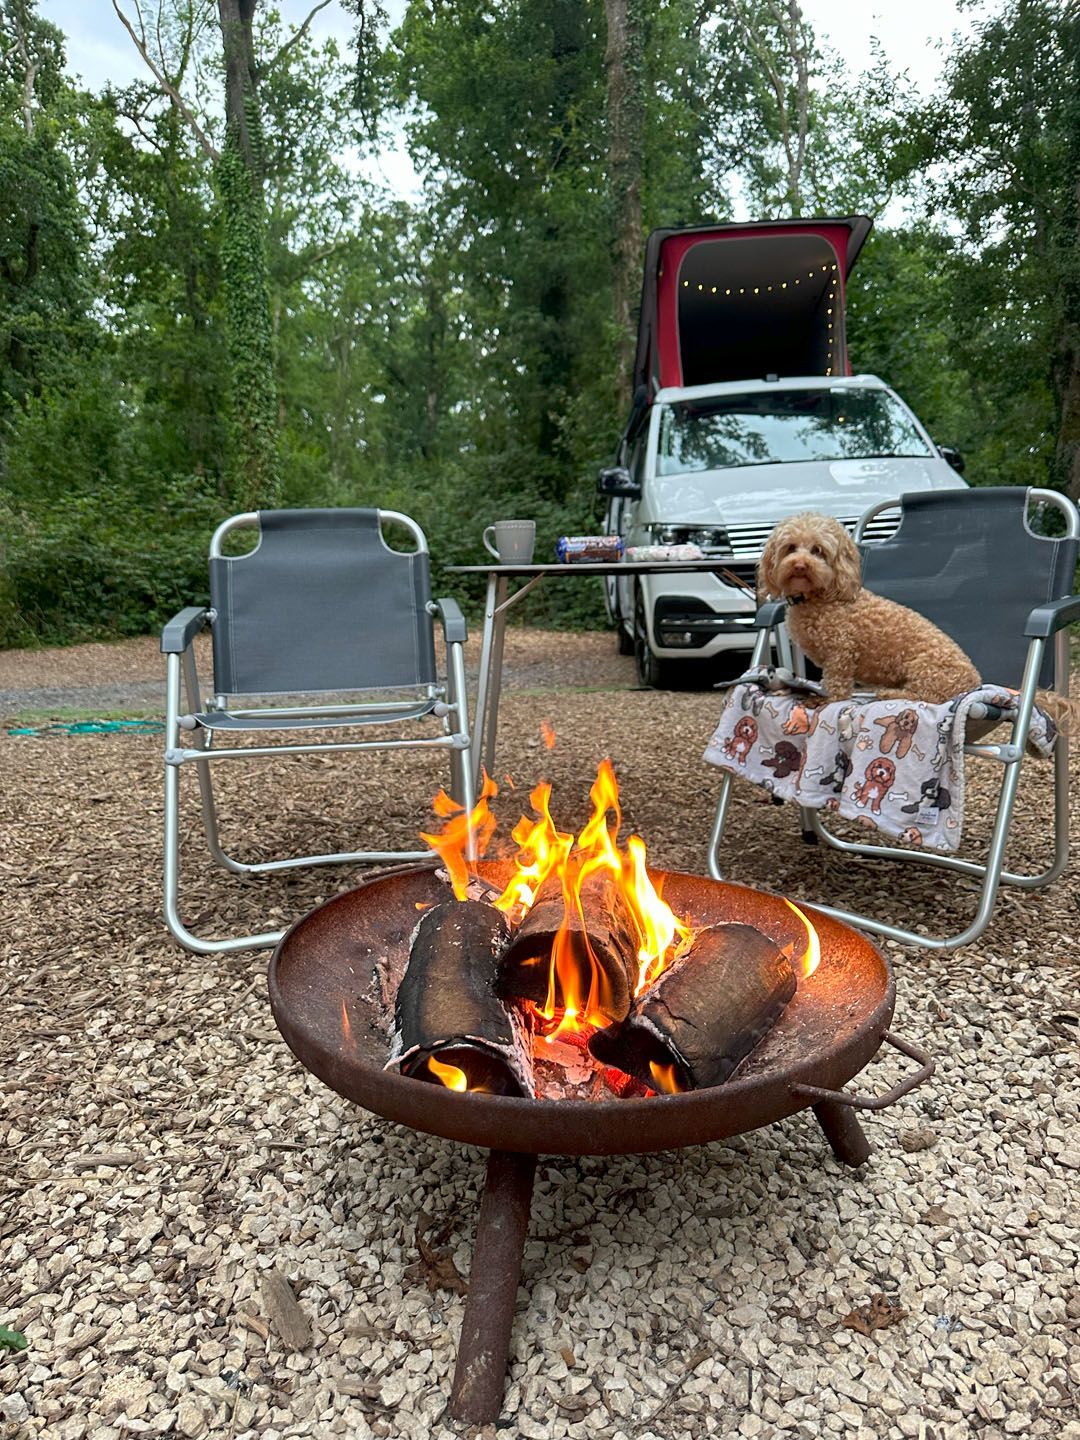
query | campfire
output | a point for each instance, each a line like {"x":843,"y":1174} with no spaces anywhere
{"x":571,"y":972}
{"x":566,"y":975}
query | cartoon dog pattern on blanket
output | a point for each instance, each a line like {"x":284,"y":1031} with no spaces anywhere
{"x":894,"y":765}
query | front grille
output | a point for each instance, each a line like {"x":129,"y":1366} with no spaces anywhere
{"x":748,"y":541}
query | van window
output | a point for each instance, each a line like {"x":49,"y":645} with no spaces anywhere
{"x":781,"y":426}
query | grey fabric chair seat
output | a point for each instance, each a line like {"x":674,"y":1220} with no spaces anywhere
{"x":973,"y":562}
{"x":321,"y":609}
{"x":226,"y":720}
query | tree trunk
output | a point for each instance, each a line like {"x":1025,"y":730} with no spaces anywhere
{"x":254,"y":481}
{"x":625,"y":115}
{"x":242,"y":81}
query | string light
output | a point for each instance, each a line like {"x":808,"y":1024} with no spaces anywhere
{"x":830,"y":298}
{"x":756,"y":289}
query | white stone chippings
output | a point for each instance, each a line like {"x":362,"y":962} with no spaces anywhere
{"x":161,"y":1148}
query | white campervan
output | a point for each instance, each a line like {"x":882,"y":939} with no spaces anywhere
{"x":716,"y":454}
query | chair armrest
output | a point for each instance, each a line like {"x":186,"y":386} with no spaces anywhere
{"x":182,"y":629}
{"x":1046,"y":620}
{"x":455,"y":631}
{"x":770,"y":615}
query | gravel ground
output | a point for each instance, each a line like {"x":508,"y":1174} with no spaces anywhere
{"x":162,"y":1153}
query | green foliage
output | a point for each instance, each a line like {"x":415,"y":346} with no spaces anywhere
{"x":181,"y":338}
{"x":44,"y":284}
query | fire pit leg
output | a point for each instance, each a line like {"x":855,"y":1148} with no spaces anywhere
{"x":484,"y":1348}
{"x":843,"y":1132}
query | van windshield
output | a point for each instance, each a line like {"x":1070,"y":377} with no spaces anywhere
{"x":780,"y":426}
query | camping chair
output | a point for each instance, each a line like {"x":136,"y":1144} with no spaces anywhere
{"x":969,"y":561}
{"x":321,"y":607}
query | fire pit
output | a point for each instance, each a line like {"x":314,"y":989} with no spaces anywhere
{"x":324,"y":979}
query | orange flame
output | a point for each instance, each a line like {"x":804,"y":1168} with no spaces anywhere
{"x":346,"y":1028}
{"x":577,"y":1000}
{"x":578,"y":992}
{"x":548,"y":732}
{"x":463,"y":837}
{"x":660,"y":927}
{"x":448,"y":1075}
{"x":666,"y":1078}
{"x":810,"y":958}
{"x":541,"y":849}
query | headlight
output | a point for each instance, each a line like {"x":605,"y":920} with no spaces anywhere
{"x":708,"y":537}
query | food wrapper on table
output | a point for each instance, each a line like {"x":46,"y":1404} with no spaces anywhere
{"x":665,"y":552}
{"x":588,"y":549}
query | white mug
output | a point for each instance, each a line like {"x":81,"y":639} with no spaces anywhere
{"x":515,"y":541}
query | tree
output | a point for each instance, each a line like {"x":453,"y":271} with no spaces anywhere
{"x":1008,"y":143}
{"x":624,"y":61}
{"x":44,"y":285}
{"x":239,"y":173}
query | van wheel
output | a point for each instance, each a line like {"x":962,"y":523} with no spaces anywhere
{"x":652,"y":673}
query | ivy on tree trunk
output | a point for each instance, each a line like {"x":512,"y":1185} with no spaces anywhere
{"x":254,"y":468}
{"x":624,"y":61}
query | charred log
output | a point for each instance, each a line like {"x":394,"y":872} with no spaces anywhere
{"x":599,"y":945}
{"x":704,"y":1014}
{"x":449,"y":1022}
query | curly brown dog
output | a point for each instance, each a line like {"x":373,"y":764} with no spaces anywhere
{"x":812,"y":562}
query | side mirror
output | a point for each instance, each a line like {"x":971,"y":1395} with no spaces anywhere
{"x":954,"y":458}
{"x":618,"y":481}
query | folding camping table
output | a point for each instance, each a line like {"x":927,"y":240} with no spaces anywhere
{"x":498,"y":602}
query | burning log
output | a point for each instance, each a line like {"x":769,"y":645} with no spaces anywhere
{"x":704,"y":1014}
{"x":450,"y":1026}
{"x":593,"y":950}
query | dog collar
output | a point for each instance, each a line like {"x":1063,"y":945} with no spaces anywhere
{"x":794,"y":599}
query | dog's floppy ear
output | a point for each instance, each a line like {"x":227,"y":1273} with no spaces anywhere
{"x":846,"y":567}
{"x":768,"y":582}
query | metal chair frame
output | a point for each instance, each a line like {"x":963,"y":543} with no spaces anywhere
{"x":1046,"y":623}
{"x":447,"y":703}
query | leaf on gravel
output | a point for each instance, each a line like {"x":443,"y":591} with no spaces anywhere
{"x":435,"y":1268}
{"x":920,"y":1137}
{"x":936,"y":1215}
{"x":878,"y":1315}
{"x":12,"y":1339}
{"x":288,"y":1320}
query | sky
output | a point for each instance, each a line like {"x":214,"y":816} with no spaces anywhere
{"x":914,"y":35}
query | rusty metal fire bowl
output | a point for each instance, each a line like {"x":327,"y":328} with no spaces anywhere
{"x":829,"y":1032}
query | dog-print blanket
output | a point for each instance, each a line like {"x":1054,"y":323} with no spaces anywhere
{"x":895,"y":765}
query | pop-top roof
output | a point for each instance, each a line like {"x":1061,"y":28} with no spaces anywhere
{"x":742,"y":301}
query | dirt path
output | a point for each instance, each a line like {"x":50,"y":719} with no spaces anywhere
{"x":128,"y":678}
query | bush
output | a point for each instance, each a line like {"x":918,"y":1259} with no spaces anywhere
{"x":93,"y":566}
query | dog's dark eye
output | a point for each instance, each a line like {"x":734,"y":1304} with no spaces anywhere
{"x":817,"y":550}
{"x":790,"y":549}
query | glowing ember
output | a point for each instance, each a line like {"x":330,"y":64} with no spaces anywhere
{"x":810,"y":958}
{"x":448,"y":1075}
{"x":346,"y":1028}
{"x":548,"y":732}
{"x":666,"y":1077}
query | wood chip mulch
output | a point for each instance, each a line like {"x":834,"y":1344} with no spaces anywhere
{"x":197,"y":1238}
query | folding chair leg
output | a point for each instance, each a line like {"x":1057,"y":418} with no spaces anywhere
{"x":461,"y":760}
{"x":992,"y":873}
{"x":719,"y":823}
{"x":172,"y":837}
